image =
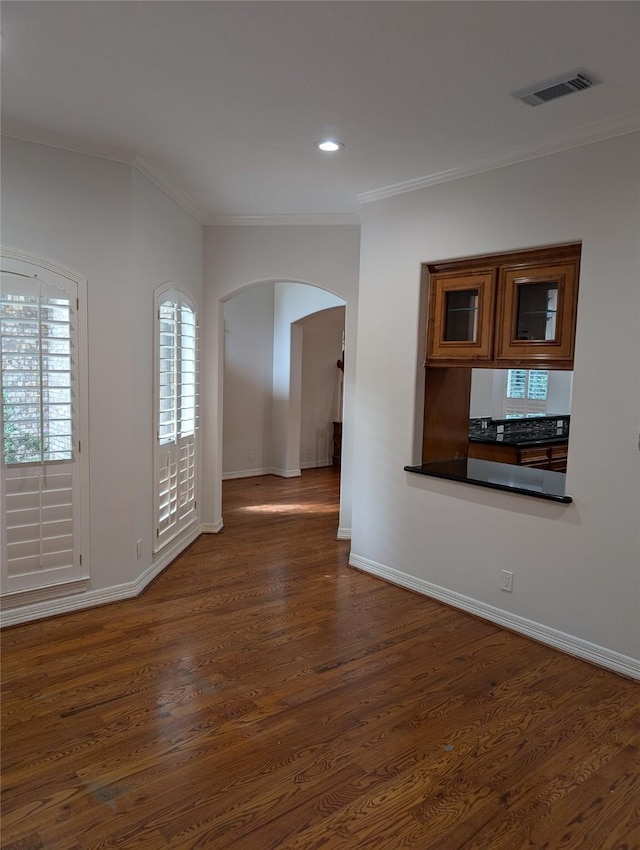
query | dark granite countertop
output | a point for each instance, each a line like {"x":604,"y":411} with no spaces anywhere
{"x":520,"y":441}
{"x":541,"y":483}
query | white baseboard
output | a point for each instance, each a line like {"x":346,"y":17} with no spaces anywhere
{"x":316,"y":464}
{"x":93,"y":598}
{"x":245,"y":473}
{"x":212,"y":527}
{"x":31,"y":596}
{"x":575,"y":646}
{"x":344,"y":533}
{"x":266,"y":470}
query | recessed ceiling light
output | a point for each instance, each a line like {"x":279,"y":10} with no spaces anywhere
{"x":329,"y":145}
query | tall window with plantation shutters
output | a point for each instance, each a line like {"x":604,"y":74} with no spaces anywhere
{"x":40,"y":435}
{"x":176,"y":415}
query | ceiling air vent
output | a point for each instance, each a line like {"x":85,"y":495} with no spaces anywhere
{"x":543,"y":92}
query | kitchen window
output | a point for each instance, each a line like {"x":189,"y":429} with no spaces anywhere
{"x":526,"y":392}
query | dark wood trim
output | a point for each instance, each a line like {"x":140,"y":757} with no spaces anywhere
{"x":513,"y":259}
{"x":447,"y":397}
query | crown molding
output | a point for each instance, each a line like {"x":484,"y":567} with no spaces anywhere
{"x":144,"y":166}
{"x":158,"y":177}
{"x":108,"y":152}
{"x":585,"y":135}
{"x":270,"y":220}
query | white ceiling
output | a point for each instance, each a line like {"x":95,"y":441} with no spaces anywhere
{"x":223,"y":100}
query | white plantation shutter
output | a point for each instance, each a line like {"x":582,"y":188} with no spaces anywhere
{"x":177,"y":416}
{"x":39,"y":521}
{"x":167,"y":491}
{"x":188,"y":364}
{"x":526,"y":392}
{"x":168,"y":378}
{"x":40,"y":466}
{"x":37,"y":334}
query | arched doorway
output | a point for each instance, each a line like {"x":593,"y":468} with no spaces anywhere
{"x":261,"y":381}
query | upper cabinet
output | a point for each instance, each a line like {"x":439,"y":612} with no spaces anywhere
{"x":504,"y":310}
{"x":461,"y":315}
{"x":536,"y":314}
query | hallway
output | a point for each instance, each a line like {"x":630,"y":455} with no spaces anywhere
{"x":262,"y":695}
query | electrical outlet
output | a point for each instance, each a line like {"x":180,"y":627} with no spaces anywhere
{"x":507,"y":581}
{"x":252,"y":455}
{"x":139,"y":549}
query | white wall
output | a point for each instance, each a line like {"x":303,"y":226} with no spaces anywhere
{"x":76,"y":211}
{"x":248,"y":379}
{"x":486,"y":393}
{"x":321,"y":385}
{"x":167,"y":247}
{"x":107,"y":223}
{"x":576,"y":567}
{"x":559,"y":392}
{"x":324,"y":256}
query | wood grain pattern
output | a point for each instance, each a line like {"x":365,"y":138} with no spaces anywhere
{"x":558,"y":263}
{"x":262,"y":695}
{"x":447,"y":400}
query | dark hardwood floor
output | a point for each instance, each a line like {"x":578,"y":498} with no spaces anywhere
{"x":261,"y":694}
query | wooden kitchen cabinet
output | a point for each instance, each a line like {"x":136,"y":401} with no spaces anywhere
{"x":537,"y":313}
{"x":558,"y":457}
{"x":534,"y":456}
{"x":495,"y":452}
{"x":552,"y":457}
{"x":503,"y":311}
{"x":461,"y":315}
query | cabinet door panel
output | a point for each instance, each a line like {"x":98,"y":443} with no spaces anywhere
{"x":559,"y":457}
{"x":461,"y":316}
{"x":536,"y":315}
{"x":494,"y":452}
{"x":560,"y":450}
{"x":537,"y":457}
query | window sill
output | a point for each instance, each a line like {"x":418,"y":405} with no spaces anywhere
{"x":539,"y":483}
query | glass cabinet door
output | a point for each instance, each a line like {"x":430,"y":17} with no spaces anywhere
{"x":536,"y":312}
{"x":461,"y":316}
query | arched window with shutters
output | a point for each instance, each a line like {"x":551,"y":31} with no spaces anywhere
{"x":176,"y":452}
